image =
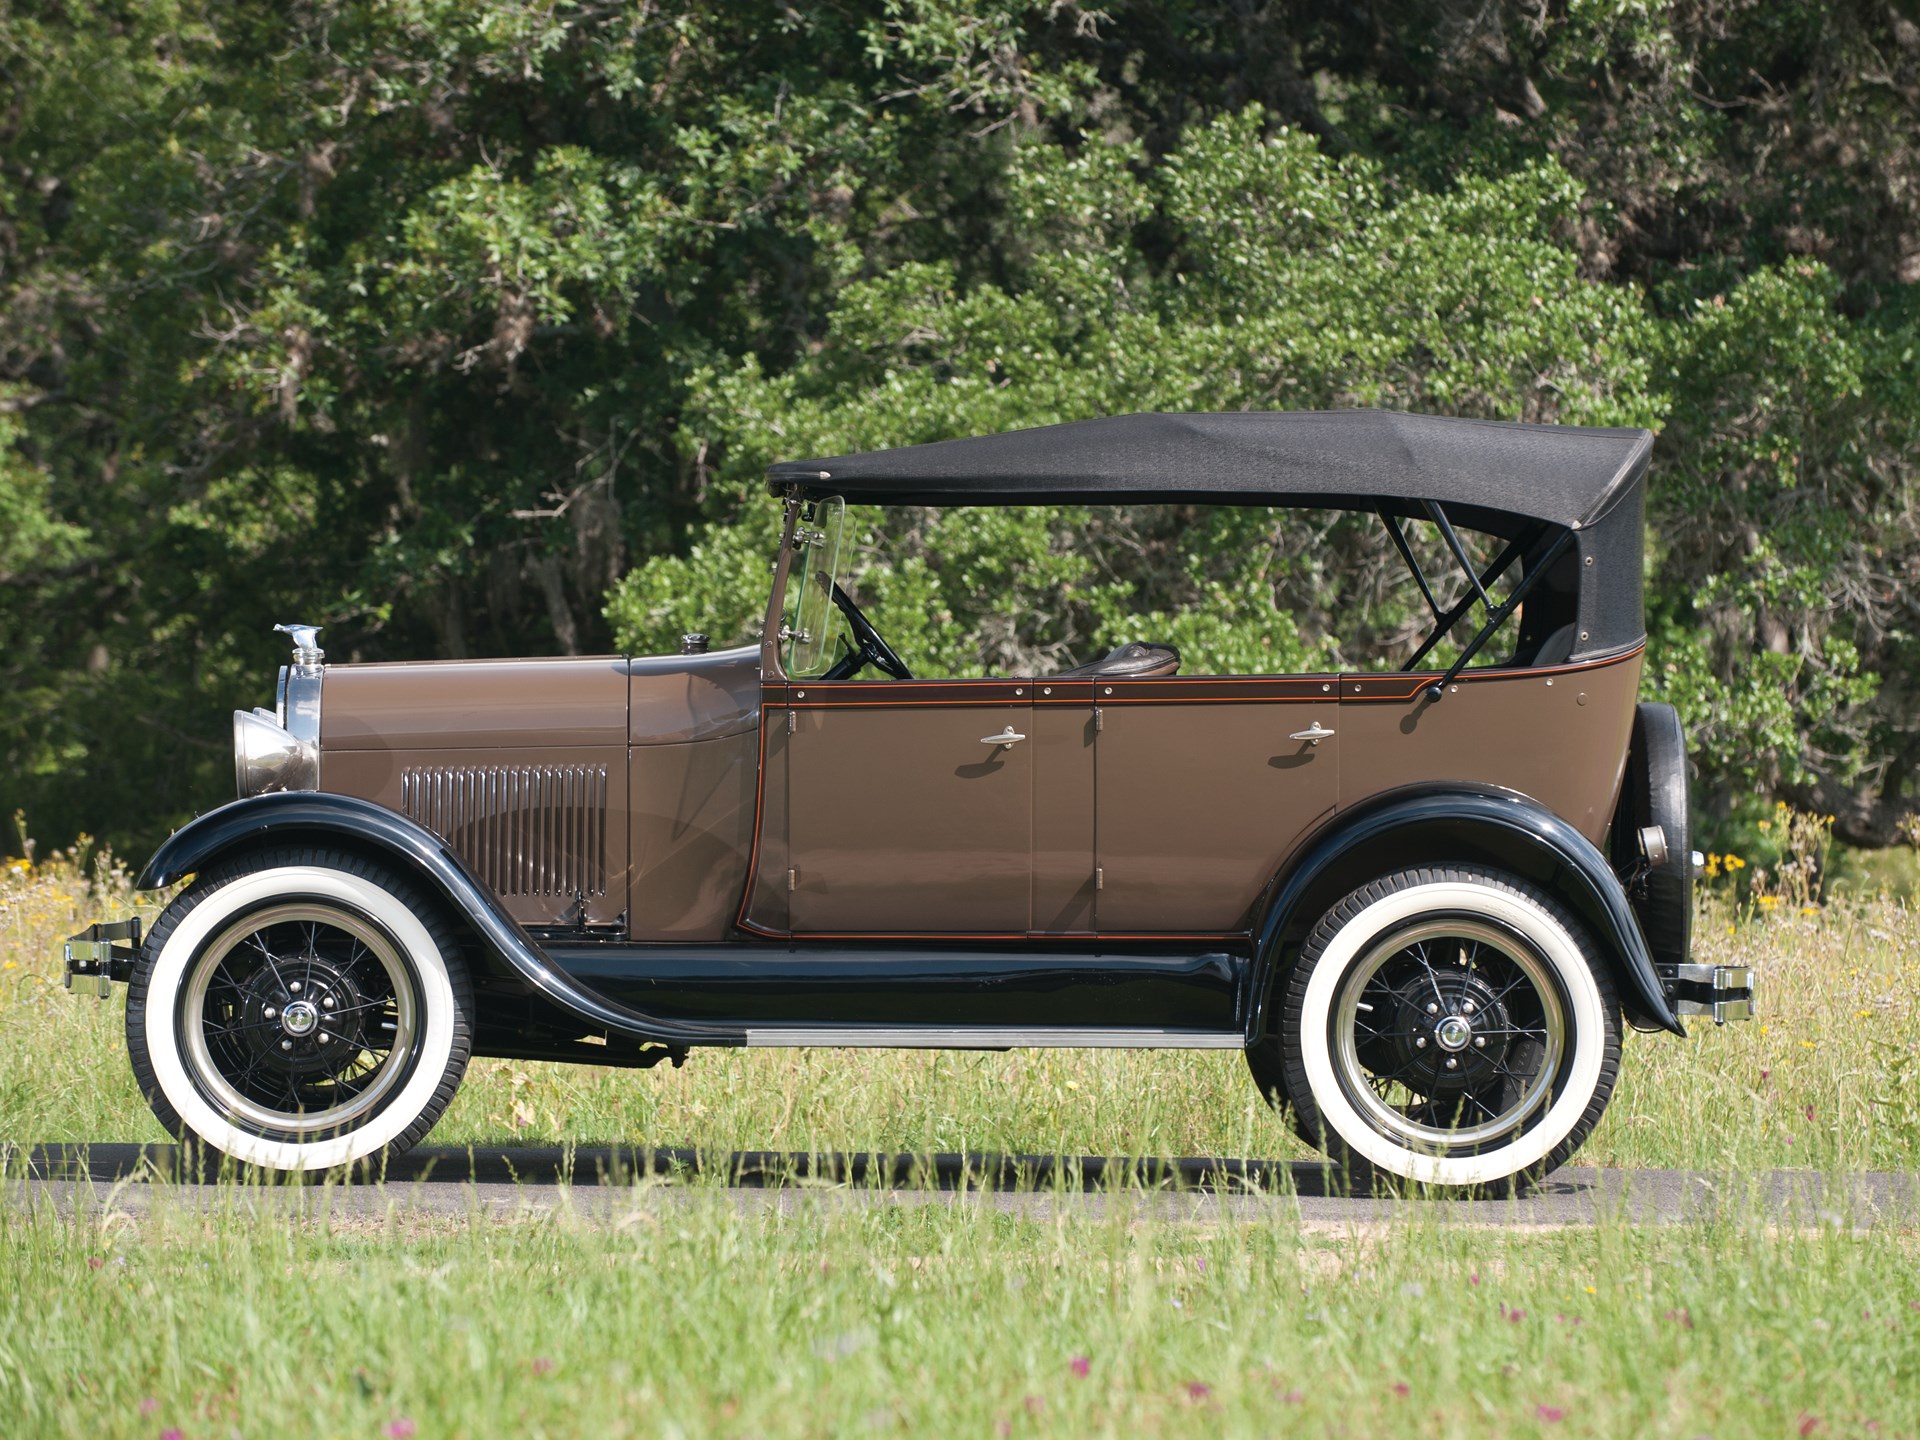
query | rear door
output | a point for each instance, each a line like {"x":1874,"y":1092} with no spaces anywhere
{"x":1205,"y":785}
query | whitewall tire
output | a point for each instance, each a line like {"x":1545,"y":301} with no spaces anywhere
{"x":1450,"y":1027}
{"x":300,"y":1010}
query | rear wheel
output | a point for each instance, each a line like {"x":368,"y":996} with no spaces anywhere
{"x":300,"y":1009}
{"x":1450,"y":1027}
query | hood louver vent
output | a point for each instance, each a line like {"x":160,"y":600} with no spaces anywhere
{"x":524,"y":829}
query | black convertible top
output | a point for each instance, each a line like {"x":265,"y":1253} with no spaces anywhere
{"x":1564,"y":474}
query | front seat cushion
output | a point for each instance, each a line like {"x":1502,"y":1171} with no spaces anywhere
{"x":1134,"y":660}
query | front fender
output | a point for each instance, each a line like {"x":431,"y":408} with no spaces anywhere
{"x":320,"y":817}
{"x":1437,"y":825}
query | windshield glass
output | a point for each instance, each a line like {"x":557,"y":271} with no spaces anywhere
{"x":813,"y":619}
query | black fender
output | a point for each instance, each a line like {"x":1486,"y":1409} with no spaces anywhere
{"x":1456,"y":823}
{"x":316,"y":816}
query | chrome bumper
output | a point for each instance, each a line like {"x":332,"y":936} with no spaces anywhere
{"x":98,"y":962}
{"x":1723,"y":991}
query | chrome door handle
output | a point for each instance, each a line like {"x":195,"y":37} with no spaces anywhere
{"x":1313,"y":735}
{"x":1005,"y":737}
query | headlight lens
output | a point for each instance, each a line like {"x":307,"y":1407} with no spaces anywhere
{"x":267,"y":757}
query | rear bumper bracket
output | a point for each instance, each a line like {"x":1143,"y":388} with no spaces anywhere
{"x":1723,"y":991}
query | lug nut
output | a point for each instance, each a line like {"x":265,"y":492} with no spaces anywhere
{"x":326,"y":1003}
{"x":1452,"y":1064}
{"x":269,"y":1012}
{"x":1467,"y":1008}
{"x":325,"y":1039}
{"x":1479,"y":1042}
{"x":1432,"y":1009}
{"x":286,"y":1044}
{"x":294,"y":987}
{"x":1419,"y":1042}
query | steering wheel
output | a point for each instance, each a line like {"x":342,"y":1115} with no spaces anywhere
{"x":869,"y":647}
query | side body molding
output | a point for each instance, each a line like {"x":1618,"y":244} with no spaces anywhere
{"x":1455,"y":824}
{"x":319,"y":816}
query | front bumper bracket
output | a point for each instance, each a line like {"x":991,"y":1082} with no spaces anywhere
{"x":98,"y":959}
{"x":1723,"y":991}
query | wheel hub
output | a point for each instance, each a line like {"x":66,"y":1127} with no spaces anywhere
{"x":304,"y":1015}
{"x":1448,"y":1023}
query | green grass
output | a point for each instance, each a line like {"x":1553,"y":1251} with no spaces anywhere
{"x":689,"y":1314}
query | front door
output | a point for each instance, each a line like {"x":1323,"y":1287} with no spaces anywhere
{"x":910,"y":807}
{"x":1205,"y":786}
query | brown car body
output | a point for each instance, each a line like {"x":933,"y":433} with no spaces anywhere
{"x":650,"y":854}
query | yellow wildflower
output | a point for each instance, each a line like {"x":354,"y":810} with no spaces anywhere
{"x":1734,"y":862}
{"x":1766,"y":824}
{"x":1768,"y":902}
{"x":1809,"y":909}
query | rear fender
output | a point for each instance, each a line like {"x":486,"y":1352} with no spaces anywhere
{"x":1457,"y":824}
{"x":317,"y":817}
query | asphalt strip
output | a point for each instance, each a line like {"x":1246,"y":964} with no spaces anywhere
{"x":610,"y":1185}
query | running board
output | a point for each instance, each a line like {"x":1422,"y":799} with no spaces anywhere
{"x":989,"y":1037}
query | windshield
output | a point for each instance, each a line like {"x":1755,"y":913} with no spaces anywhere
{"x":813,"y":618}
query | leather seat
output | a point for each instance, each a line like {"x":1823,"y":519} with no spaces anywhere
{"x":1134,"y":660}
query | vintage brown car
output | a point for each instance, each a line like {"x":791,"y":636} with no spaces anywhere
{"x":1421,"y":901}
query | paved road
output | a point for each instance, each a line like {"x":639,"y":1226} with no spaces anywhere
{"x":603,"y":1183}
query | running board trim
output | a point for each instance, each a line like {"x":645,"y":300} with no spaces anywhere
{"x":993,"y":1037}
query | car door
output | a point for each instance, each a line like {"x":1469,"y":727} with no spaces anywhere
{"x":910,"y":807}
{"x":1204,"y":786}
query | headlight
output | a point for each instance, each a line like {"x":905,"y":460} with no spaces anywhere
{"x":267,"y":757}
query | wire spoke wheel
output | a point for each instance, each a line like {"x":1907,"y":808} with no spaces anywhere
{"x":299,"y":1009}
{"x":298,"y":1018}
{"x":1449,"y":1026}
{"x":1449,"y":1034}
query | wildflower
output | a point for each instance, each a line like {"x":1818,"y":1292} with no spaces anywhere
{"x":11,"y":965}
{"x":1809,"y":909}
{"x":1592,"y":1291}
{"x":1809,"y":1114}
{"x":1515,"y":1315}
{"x":172,"y":1433}
{"x":1809,"y":1424}
{"x":1081,"y":1366}
{"x":1293,"y":1397}
{"x":541,"y":1365}
{"x":149,"y":1405}
{"x":1198,"y":1391}
{"x":1733,"y":863}
{"x":1766,"y":824}
{"x":1402,"y":1389}
{"x":401,"y":1429}
{"x":1552,"y":1414}
{"x":1769,"y":902}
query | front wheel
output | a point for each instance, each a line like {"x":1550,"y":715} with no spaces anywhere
{"x":298,"y":1010}
{"x":1449,"y":1027}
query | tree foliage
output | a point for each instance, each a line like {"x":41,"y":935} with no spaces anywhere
{"x":434,"y":320}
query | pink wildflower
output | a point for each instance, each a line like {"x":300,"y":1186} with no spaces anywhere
{"x":1402,"y":1389}
{"x":1081,"y":1366}
{"x":401,"y":1429}
{"x":1552,"y":1414}
{"x":1197,"y":1390}
{"x":149,"y":1405}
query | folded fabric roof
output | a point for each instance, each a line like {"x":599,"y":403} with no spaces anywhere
{"x":1565,"y":474}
